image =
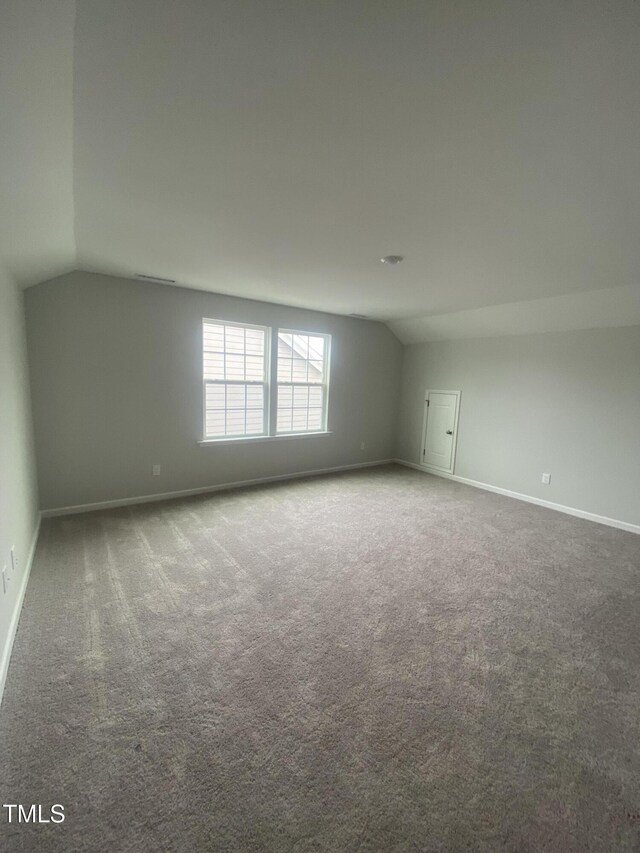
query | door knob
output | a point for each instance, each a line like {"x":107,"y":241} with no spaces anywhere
{"x":449,"y":432}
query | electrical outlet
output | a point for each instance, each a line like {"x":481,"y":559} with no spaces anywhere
{"x":546,"y":479}
{"x":156,"y":470}
{"x":362,"y":445}
{"x":5,"y":580}
{"x":14,"y":561}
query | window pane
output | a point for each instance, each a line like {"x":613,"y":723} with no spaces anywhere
{"x":234,"y":370}
{"x":255,"y":397}
{"x":254,"y":368}
{"x":213,"y":365}
{"x":255,"y":421}
{"x":299,"y":422}
{"x":284,"y":420}
{"x":255,"y":342}
{"x":300,"y":396}
{"x":234,"y":339}
{"x":315,"y":419}
{"x":213,"y":337}
{"x":233,"y":355}
{"x":315,"y":396}
{"x":235,"y":429}
{"x":299,"y":371}
{"x":316,"y":347}
{"x":215,"y":425}
{"x":284,"y":369}
{"x":315,"y":372}
{"x":285,"y":396}
{"x":301,"y":362}
{"x":300,"y":408}
{"x":235,"y":423}
{"x":215,"y":396}
{"x":300,"y":344}
{"x":235,"y":396}
{"x":234,"y":366}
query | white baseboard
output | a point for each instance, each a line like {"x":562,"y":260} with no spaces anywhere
{"x":15,"y":616}
{"x":569,"y":510}
{"x":165,"y":496}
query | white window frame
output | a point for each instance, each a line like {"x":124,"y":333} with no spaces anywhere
{"x":265,"y":383}
{"x":270,"y":386}
{"x":324,"y":384}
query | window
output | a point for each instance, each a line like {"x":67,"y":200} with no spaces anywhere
{"x":302,"y":382}
{"x":235,"y":379}
{"x":240,"y":400}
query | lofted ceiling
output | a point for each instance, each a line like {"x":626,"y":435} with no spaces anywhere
{"x":276,"y":149}
{"x":36,"y":138}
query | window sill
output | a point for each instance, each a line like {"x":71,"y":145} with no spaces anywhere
{"x":258,"y":439}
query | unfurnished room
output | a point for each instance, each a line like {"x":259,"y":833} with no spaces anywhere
{"x":319,"y":426}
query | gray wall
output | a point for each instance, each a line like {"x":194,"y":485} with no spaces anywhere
{"x":116,"y":379}
{"x":18,"y":496}
{"x":565,"y":403}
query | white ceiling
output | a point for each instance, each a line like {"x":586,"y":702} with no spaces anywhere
{"x":592,"y":309}
{"x":36,"y":125}
{"x":276,"y":149}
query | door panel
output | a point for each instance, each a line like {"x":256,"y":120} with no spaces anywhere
{"x":440,"y":430}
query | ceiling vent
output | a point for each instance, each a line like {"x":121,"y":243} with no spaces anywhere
{"x":155,"y":278}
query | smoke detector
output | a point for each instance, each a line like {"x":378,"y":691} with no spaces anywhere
{"x":392,"y":260}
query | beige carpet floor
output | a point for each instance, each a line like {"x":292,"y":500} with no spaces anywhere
{"x":372,"y":661}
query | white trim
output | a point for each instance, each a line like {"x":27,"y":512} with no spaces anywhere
{"x":257,"y":439}
{"x":165,"y":496}
{"x":569,"y":510}
{"x":17,"y":609}
{"x":425,"y":420}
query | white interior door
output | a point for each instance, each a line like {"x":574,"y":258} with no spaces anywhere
{"x":440,"y":428}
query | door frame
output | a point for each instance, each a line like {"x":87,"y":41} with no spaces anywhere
{"x":425,"y":420}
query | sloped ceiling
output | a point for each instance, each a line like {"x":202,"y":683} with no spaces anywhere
{"x":36,"y":132}
{"x":591,"y":309}
{"x":276,"y":150}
